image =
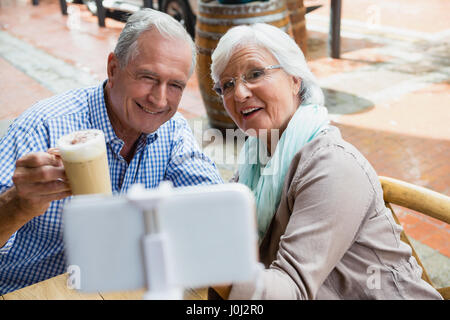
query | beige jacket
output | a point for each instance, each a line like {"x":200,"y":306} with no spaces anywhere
{"x":332,"y":236}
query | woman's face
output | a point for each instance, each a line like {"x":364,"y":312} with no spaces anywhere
{"x":270,"y":102}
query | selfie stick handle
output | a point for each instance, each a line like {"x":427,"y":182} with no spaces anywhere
{"x":157,"y":268}
{"x":157,"y":262}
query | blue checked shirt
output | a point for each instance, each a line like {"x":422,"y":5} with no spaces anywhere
{"x":36,"y":252}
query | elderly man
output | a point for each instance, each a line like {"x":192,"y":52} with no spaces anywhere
{"x":147,"y":142}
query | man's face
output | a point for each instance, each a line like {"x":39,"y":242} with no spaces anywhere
{"x":145,"y":94}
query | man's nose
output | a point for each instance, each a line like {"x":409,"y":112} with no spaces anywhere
{"x":158,"y":95}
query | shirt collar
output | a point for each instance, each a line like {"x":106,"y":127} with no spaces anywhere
{"x":100,"y":119}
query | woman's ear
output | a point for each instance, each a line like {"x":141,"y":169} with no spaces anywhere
{"x":297,"y":84}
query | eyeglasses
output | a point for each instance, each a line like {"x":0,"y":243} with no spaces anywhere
{"x":227,"y":85}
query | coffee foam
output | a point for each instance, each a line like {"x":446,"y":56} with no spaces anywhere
{"x":82,"y":145}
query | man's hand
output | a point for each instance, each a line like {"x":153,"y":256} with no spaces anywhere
{"x":39,"y":179}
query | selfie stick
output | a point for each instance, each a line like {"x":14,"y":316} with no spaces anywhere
{"x":157,"y":262}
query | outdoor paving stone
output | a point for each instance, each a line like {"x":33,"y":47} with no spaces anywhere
{"x":436,"y":264}
{"x":367,"y":83}
{"x":52,"y":73}
{"x":13,"y":98}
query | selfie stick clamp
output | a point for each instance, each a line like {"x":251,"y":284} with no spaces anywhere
{"x":157,"y":262}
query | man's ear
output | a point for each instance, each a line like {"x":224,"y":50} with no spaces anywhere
{"x":112,"y":68}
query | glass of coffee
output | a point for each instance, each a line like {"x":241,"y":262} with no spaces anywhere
{"x":85,"y":161}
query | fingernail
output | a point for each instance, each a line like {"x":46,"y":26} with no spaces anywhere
{"x":54,"y":151}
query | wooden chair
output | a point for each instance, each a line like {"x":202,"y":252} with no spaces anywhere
{"x":420,"y":199}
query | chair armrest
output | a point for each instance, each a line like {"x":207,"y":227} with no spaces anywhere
{"x":423,"y":200}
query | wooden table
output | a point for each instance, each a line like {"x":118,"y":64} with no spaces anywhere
{"x":56,"y":289}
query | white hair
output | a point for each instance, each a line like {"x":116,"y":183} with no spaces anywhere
{"x":279,"y":44}
{"x":145,"y":20}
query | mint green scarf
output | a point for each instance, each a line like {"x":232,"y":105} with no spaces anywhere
{"x":266,"y":182}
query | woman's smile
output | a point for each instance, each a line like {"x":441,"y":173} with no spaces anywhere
{"x":250,"y":112}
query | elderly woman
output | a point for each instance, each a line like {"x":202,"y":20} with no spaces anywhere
{"x":324,"y":230}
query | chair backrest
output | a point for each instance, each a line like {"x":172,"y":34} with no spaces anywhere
{"x":420,"y":199}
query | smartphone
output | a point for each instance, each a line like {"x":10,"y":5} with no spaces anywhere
{"x":210,"y":233}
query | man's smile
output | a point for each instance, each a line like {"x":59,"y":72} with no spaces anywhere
{"x":148,"y":110}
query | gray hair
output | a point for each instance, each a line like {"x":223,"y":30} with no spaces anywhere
{"x":145,"y":20}
{"x":279,"y":44}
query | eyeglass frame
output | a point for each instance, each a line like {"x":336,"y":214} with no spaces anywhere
{"x":219,"y":90}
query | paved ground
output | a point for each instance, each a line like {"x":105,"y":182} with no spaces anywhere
{"x":389,"y":93}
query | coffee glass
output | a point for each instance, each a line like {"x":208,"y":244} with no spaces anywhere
{"x":85,"y":161}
